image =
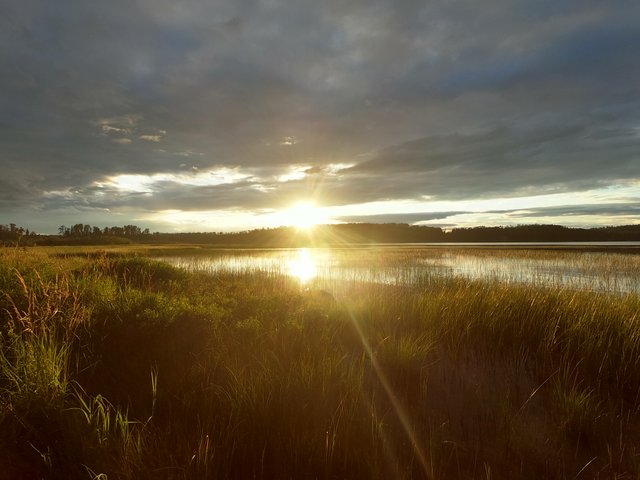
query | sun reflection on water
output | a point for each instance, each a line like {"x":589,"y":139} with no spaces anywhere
{"x":302,"y":266}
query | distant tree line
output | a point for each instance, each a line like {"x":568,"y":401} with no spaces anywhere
{"x":544,"y":233}
{"x":400,"y":233}
{"x":85,"y":230}
{"x":12,"y":233}
{"x":340,"y":234}
{"x":78,"y":234}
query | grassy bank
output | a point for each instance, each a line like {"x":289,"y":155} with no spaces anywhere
{"x":123,"y":367}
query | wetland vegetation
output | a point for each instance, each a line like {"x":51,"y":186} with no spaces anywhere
{"x":117,"y":365}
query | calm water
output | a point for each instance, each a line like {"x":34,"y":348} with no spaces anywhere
{"x":328,"y":268}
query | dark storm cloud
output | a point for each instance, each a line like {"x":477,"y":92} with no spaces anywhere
{"x":597,"y":58}
{"x":505,"y":161}
{"x":449,"y":100}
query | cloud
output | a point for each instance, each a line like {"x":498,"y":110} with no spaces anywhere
{"x":412,"y":99}
{"x":608,"y":210}
{"x":151,"y":138}
{"x":504,"y":161}
{"x":410,"y":218}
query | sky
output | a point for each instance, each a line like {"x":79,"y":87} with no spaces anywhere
{"x":203,"y":115}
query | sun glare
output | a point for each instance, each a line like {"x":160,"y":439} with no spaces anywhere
{"x":302,"y":266}
{"x":304,"y":215}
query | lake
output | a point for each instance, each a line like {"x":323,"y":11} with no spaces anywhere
{"x":576,"y":267}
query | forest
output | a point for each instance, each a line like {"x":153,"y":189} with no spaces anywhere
{"x":335,"y":234}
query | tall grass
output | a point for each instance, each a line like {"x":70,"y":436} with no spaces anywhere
{"x":122,"y":367}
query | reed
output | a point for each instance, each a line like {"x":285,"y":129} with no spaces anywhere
{"x":117,"y":366}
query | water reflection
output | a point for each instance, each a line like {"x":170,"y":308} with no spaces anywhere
{"x":330,"y":268}
{"x":302,"y":266}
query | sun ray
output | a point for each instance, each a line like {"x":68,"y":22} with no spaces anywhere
{"x":401,"y":413}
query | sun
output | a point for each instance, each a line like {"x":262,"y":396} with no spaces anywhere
{"x":304,"y":216}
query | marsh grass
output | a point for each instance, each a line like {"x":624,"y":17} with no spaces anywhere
{"x":118,"y":366}
{"x":607,"y":272}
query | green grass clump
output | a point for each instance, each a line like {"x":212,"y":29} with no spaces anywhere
{"x":118,"y":366}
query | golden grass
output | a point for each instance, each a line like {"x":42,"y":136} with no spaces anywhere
{"x":123,"y":367}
